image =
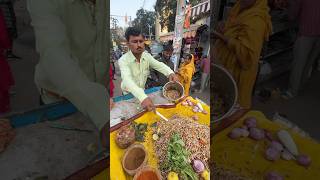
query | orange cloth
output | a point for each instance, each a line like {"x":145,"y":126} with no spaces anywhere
{"x":185,"y":74}
{"x":246,"y":31}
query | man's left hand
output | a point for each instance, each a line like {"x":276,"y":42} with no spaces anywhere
{"x":173,"y":77}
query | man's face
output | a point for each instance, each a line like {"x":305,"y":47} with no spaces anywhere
{"x":167,"y":54}
{"x":136,"y":44}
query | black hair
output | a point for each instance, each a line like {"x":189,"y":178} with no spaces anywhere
{"x":187,"y":56}
{"x":168,"y":47}
{"x":132,"y":31}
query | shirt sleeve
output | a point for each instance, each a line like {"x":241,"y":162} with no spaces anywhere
{"x":60,"y":68}
{"x":128,"y":83}
{"x":159,"y":66}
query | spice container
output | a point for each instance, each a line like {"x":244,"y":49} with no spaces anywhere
{"x":134,"y":159}
{"x":147,"y":173}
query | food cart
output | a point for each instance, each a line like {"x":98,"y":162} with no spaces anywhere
{"x":247,"y":145}
{"x":149,"y":157}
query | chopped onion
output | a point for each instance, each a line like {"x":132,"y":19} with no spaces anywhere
{"x":250,"y":122}
{"x":268,"y":135}
{"x":244,"y":132}
{"x":235,"y":133}
{"x":198,"y":166}
{"x":195,"y":117}
{"x":272,"y":154}
{"x":256,"y":134}
{"x":273,"y":176}
{"x":184,"y":103}
{"x":304,"y":160}
{"x":276,"y":145}
{"x":286,"y":155}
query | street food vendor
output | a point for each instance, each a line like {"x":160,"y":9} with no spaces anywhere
{"x":73,"y":56}
{"x":135,"y":67}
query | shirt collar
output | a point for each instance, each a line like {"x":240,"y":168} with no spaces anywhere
{"x":132,"y":58}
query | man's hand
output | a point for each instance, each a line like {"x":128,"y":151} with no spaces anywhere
{"x":148,"y":104}
{"x":173,"y":77}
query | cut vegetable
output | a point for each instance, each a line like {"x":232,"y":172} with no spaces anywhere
{"x":235,"y":133}
{"x":273,"y":176}
{"x":155,"y":137}
{"x":268,"y":135}
{"x":198,"y":166}
{"x":195,"y":117}
{"x":288,"y":142}
{"x":200,"y":106}
{"x":276,"y":145}
{"x":286,"y":155}
{"x":250,"y":122}
{"x":173,"y":176}
{"x":272,"y":154}
{"x":256,"y":134}
{"x":205,"y":175}
{"x":244,"y":132}
{"x":204,"y":112}
{"x":304,"y":160}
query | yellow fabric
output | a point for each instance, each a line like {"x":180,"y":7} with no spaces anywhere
{"x":240,"y":156}
{"x":104,"y":175}
{"x":185,"y":74}
{"x":246,"y":32}
{"x":117,"y":173}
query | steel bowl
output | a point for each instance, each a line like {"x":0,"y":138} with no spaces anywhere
{"x":224,"y":85}
{"x":173,"y":86}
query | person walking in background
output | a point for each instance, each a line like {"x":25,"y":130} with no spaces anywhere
{"x":6,"y":77}
{"x":157,"y":78}
{"x":307,"y":46}
{"x":205,"y":75}
{"x":186,"y":71}
{"x":239,"y":43}
{"x":10,"y":20}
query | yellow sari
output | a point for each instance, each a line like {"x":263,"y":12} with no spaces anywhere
{"x":185,"y":74}
{"x":246,"y":31}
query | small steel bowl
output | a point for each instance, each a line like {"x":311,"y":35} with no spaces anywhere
{"x":173,"y":86}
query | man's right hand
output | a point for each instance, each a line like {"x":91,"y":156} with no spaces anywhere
{"x":148,"y":104}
